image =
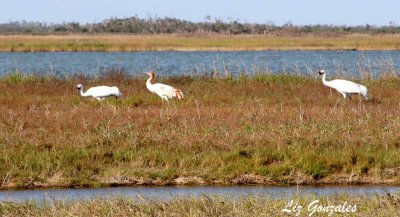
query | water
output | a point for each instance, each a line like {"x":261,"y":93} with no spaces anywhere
{"x":165,"y":193}
{"x":200,"y":62}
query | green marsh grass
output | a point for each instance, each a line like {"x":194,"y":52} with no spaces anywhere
{"x":262,"y":129}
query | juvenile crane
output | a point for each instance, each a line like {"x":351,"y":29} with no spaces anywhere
{"x":164,"y":91}
{"x":100,"y":92}
{"x":346,"y":88}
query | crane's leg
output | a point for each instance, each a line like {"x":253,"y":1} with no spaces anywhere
{"x":167,"y":109}
{"x":100,"y":102}
{"x":359,"y":102}
{"x":338,"y":101}
{"x":117,"y":100}
{"x":349,"y":96}
{"x":164,"y":108}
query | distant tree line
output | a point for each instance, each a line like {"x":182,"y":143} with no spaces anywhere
{"x":167,"y":25}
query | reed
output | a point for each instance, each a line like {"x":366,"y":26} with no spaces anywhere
{"x":254,"y":205}
{"x":114,"y":42}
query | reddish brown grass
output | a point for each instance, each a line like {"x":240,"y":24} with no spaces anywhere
{"x":277,"y":129}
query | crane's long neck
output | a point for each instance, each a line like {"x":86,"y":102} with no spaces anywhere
{"x":324,"y":81}
{"x":81,"y":91}
{"x":149,"y":85}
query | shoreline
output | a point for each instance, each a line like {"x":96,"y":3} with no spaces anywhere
{"x":200,"y":50}
{"x":132,"y":43}
{"x":245,"y":180}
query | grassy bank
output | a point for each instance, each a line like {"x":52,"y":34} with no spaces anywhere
{"x":23,"y":43}
{"x":266,"y":129}
{"x":211,"y":206}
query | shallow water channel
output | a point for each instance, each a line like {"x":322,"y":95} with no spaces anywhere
{"x":167,"y":63}
{"x":170,"y":192}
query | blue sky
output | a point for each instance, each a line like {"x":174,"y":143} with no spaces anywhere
{"x":300,"y":12}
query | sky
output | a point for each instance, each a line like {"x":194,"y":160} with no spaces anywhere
{"x":279,"y":12}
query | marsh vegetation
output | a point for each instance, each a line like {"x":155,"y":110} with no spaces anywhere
{"x":263,"y":129}
{"x":312,"y":205}
{"x":123,"y":42}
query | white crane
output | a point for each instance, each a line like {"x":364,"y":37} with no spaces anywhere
{"x":346,"y":88}
{"x":100,"y":92}
{"x":164,"y":91}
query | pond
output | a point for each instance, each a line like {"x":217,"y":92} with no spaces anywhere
{"x":169,"y":192}
{"x":167,"y":63}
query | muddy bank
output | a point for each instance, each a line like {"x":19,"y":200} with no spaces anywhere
{"x":340,"y":179}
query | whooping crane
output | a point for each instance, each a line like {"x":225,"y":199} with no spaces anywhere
{"x":162,"y":90}
{"x":346,"y":88}
{"x":100,"y":92}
